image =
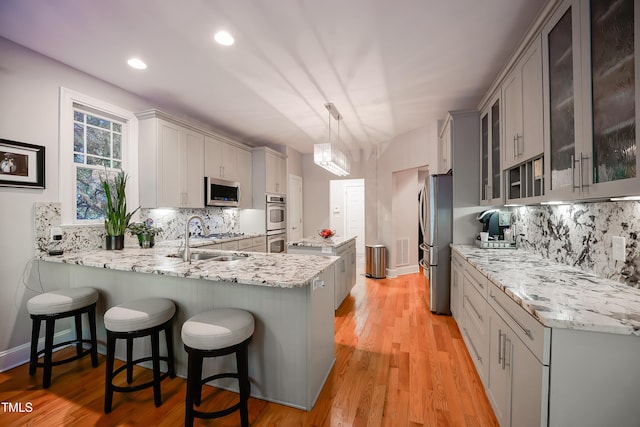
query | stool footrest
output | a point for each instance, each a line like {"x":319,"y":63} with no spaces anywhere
{"x":218,"y":376}
{"x":126,"y":389}
{"x":217,"y":414}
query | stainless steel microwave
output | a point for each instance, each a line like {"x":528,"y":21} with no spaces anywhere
{"x":219,"y":192}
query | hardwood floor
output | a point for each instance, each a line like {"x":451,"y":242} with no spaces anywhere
{"x":396,"y":365}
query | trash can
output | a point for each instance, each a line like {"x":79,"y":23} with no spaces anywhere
{"x":376,"y":261}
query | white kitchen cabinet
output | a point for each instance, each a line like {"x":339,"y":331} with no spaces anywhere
{"x":345,"y":267}
{"x":444,"y":148}
{"x":269,"y":174}
{"x":475,"y":323}
{"x":490,"y":142}
{"x":523,"y":108}
{"x":171,"y":166}
{"x":275,"y":173}
{"x":457,"y":271}
{"x":224,"y":160}
{"x":590,"y":81}
{"x":518,"y":381}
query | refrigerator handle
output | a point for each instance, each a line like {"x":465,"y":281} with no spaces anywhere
{"x":433,"y":255}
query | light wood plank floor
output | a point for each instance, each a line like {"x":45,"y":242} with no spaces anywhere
{"x":396,"y":365}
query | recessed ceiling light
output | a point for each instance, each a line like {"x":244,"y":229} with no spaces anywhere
{"x":137,"y":63}
{"x":224,"y":38}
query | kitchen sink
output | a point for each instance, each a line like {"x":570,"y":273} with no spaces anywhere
{"x":202,"y":256}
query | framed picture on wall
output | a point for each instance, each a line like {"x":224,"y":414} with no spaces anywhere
{"x":21,"y":165}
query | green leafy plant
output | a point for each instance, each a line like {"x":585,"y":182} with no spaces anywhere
{"x":145,"y":227}
{"x":116,"y":217}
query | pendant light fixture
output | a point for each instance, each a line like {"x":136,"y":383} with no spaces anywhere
{"x":328,"y":155}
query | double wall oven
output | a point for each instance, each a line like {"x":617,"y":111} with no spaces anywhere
{"x":276,"y":212}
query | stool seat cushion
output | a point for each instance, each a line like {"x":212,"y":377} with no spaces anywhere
{"x":216,"y":329}
{"x":139,"y":314}
{"x":62,"y":300}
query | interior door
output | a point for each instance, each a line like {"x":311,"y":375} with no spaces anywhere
{"x":354,"y":218}
{"x":294,"y":224}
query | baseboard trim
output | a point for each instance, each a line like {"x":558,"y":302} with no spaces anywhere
{"x":408,"y":269}
{"x":19,"y":355}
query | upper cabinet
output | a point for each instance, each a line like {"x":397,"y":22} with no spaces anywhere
{"x":171,"y":165}
{"x":225,"y":160}
{"x":523,"y":108}
{"x":590,"y":73}
{"x":269,"y":174}
{"x":174,"y":157}
{"x":444,"y":149}
{"x":490,"y":142}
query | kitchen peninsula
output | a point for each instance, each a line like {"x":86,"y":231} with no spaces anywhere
{"x":343,"y":247}
{"x":291,"y":298}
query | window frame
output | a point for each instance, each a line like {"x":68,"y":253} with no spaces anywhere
{"x":66,"y":172}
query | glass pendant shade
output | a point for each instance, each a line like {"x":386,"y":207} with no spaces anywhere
{"x":329,"y":157}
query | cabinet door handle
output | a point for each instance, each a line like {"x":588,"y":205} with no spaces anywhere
{"x":526,"y":331}
{"x":504,"y":349}
{"x":507,"y":345}
{"x":515,"y":145}
{"x":500,"y":347}
{"x":582,"y":184}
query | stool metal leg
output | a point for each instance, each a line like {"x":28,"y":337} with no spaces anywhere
{"x":129,"y":360}
{"x":171,"y":366}
{"x":94,"y":339}
{"x":108,"y":385}
{"x":78,"y":322}
{"x":35,"y":335}
{"x":194,"y":366}
{"x":48,"y":350}
{"x":244,"y":385}
{"x":155,"y":354}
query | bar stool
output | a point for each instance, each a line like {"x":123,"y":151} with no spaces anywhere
{"x":59,"y":304}
{"x":135,"y":319}
{"x":211,"y":334}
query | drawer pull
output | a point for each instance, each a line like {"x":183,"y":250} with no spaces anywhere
{"x":473,"y":347}
{"x":526,"y":331}
{"x":478,"y":315}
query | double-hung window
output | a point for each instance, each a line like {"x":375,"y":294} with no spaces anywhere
{"x":97,"y":141}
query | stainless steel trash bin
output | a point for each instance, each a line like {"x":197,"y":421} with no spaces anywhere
{"x":376,"y":261}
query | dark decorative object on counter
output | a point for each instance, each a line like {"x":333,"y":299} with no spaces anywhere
{"x":116,"y":217}
{"x":145,"y":231}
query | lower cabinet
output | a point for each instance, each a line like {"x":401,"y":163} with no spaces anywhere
{"x":457,"y":270}
{"x":518,"y":381}
{"x":345,"y":268}
{"x":509,"y":348}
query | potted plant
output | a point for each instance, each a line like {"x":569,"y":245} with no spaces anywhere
{"x":145,"y":231}
{"x":116,"y":217}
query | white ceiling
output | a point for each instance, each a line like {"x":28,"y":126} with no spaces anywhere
{"x":389,"y":66}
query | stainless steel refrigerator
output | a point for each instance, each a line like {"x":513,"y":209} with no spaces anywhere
{"x":437,"y":256}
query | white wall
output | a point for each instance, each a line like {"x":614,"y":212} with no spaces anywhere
{"x":405,"y":219}
{"x":29,"y":88}
{"x":416,"y":149}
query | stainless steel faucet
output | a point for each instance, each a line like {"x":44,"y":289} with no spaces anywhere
{"x":186,"y":256}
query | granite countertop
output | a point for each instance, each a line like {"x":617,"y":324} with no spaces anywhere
{"x":261,"y":269}
{"x":319,"y":242}
{"x":558,"y":295}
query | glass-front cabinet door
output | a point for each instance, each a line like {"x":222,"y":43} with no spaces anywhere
{"x":562,"y":86}
{"x":610,"y":55}
{"x":590,"y":65}
{"x":490,"y":170}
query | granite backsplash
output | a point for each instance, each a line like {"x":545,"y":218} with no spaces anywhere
{"x":580,"y":235}
{"x":87,"y":237}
